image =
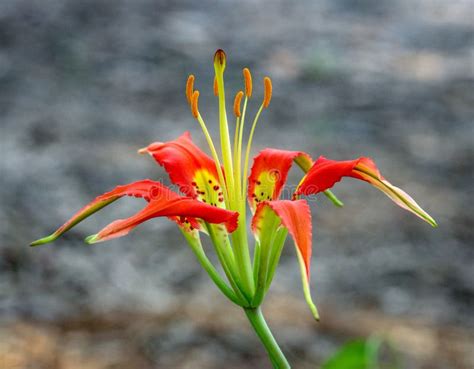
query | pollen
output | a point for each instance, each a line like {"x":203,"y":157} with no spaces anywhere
{"x":189,"y":88}
{"x":194,"y":104}
{"x":267,"y":94}
{"x":237,"y":100}
{"x":248,"y":82}
{"x":216,"y":87}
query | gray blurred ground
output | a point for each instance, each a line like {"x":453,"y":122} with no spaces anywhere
{"x":84,"y":84}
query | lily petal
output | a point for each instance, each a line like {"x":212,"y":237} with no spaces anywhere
{"x":188,"y":167}
{"x":169,"y":206}
{"x":325,"y":173}
{"x":136,"y":189}
{"x":296,"y":217}
{"x":269,"y":173}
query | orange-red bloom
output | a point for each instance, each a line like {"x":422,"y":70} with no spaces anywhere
{"x":216,"y":196}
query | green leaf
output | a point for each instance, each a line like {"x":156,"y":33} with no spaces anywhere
{"x":355,"y":355}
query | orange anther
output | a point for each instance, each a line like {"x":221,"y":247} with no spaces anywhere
{"x":189,"y":88}
{"x":194,"y":104}
{"x":248,"y":82}
{"x":237,"y":100}
{"x":267,"y":93}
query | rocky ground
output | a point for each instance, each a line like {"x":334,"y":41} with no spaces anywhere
{"x":84,"y":84}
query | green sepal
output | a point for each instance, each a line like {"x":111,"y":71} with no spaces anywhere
{"x":265,"y":237}
{"x":277,"y":248}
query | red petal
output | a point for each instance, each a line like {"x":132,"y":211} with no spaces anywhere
{"x":188,"y":167}
{"x":269,"y":172}
{"x":325,"y":173}
{"x":183,"y":207}
{"x":137,"y":189}
{"x":296,"y":217}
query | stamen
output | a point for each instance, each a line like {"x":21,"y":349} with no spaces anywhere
{"x":211,"y":146}
{"x":237,"y":100}
{"x":216,"y":88}
{"x":248,"y":82}
{"x":194,"y":104}
{"x":189,"y":88}
{"x":267,"y":94}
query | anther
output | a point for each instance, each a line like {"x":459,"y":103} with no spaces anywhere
{"x":237,"y":100}
{"x":267,"y":94}
{"x":194,"y":103}
{"x":248,"y":82}
{"x":216,"y":88}
{"x":189,"y":88}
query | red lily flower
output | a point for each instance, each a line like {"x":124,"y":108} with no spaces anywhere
{"x":216,"y":198}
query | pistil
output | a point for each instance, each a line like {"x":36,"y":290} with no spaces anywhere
{"x":219,"y":67}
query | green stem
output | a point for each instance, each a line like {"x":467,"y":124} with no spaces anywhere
{"x":196,"y":246}
{"x":226,"y":258}
{"x":333,"y":198}
{"x":260,"y":326}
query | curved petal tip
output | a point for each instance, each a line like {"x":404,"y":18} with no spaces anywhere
{"x":94,"y":238}
{"x":44,"y":240}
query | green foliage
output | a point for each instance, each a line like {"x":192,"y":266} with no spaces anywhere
{"x":359,"y":354}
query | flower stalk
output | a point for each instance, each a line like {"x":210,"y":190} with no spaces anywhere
{"x":263,"y":332}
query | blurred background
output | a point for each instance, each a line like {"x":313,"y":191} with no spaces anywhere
{"x":84,"y":84}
